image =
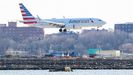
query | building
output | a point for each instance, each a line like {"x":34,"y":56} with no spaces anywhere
{"x":21,"y":33}
{"x":2,"y":25}
{"x":92,"y":52}
{"x":126,"y":27}
{"x":16,"y":53}
{"x":12,"y":24}
{"x":103,"y":53}
{"x":108,"y":53}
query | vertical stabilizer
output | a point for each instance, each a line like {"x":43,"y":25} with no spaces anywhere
{"x":28,"y":18}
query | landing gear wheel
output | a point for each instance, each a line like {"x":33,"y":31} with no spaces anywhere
{"x":60,"y":30}
{"x":65,"y":30}
{"x":97,"y":28}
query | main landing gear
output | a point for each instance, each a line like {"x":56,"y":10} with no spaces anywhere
{"x":98,"y":28}
{"x":62,"y":30}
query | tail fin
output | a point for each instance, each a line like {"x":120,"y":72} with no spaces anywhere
{"x":27,"y":16}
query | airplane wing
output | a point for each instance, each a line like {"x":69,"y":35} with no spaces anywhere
{"x":55,"y":24}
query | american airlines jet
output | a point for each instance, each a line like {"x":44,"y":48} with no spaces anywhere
{"x":63,"y":24}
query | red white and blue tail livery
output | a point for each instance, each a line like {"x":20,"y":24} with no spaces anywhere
{"x":63,"y":24}
{"x":27,"y":16}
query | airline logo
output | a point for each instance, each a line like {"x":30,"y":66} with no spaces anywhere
{"x":27,"y":16}
{"x":81,"y":21}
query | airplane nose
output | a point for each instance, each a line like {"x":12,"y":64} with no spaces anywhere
{"x":104,"y":22}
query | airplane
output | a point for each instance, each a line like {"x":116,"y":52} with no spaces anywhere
{"x":63,"y":24}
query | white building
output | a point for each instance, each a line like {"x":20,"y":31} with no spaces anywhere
{"x":109,"y":53}
{"x":14,"y":53}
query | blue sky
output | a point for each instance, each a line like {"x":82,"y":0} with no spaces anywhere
{"x":111,"y":11}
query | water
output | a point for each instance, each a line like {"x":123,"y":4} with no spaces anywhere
{"x":75,"y":72}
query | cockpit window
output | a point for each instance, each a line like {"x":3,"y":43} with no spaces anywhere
{"x":99,"y":20}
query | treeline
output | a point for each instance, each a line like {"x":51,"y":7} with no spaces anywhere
{"x":70,"y":41}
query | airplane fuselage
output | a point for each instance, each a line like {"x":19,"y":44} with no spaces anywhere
{"x":71,"y":23}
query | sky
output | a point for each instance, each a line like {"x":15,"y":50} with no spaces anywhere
{"x":111,"y":11}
